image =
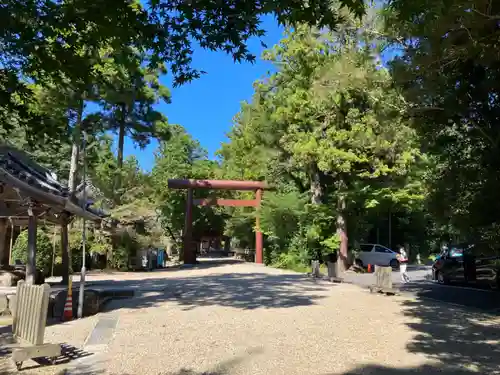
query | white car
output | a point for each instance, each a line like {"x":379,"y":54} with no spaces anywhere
{"x":378,"y":255}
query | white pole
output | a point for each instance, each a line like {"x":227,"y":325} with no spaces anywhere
{"x":84,"y":229}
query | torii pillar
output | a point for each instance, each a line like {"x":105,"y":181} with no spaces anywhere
{"x":257,"y":186}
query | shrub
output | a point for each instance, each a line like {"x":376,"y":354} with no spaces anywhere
{"x":43,"y":250}
{"x":125,"y":246}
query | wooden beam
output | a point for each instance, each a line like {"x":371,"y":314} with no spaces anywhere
{"x":3,"y":242}
{"x":65,"y":249}
{"x":217,"y":184}
{"x":13,"y":210}
{"x":226,"y":202}
{"x":189,"y":251}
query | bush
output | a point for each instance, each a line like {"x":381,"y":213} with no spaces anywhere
{"x":125,"y":246}
{"x":43,"y":252}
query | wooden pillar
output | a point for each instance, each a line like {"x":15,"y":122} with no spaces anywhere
{"x":3,"y":242}
{"x":258,"y":234}
{"x":31,"y":262}
{"x":65,"y":249}
{"x":189,"y":251}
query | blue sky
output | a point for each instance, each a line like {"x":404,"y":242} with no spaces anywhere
{"x":206,"y":106}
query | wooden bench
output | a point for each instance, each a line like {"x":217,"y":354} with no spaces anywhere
{"x":28,"y":326}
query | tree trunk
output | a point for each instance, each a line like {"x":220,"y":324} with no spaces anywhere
{"x":73,"y":167}
{"x":316,"y":188}
{"x":119,"y":163}
{"x":342,"y":262}
{"x":75,"y":150}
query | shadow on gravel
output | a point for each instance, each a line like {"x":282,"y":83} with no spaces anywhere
{"x":223,"y":368}
{"x":69,"y":353}
{"x":483,"y":299}
{"x":208,"y":262}
{"x":424,"y":370}
{"x":455,"y":336}
{"x":461,"y":341}
{"x":239,"y":290}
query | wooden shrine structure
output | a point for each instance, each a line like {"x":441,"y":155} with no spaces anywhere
{"x":257,"y":186}
{"x":30,"y":193}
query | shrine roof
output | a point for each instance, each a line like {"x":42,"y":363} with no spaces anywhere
{"x":23,"y":180}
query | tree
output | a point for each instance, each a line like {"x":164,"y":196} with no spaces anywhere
{"x":127,"y":99}
{"x":332,"y":123}
{"x":449,"y":78}
{"x":58,"y":41}
{"x":182,"y":157}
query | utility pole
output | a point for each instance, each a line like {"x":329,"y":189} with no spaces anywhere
{"x":84,"y":229}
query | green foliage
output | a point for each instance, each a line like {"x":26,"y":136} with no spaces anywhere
{"x":182,"y":157}
{"x":43,"y":254}
{"x":450,"y":80}
{"x":46,"y":43}
{"x":345,"y":142}
{"x":125,"y":245}
{"x":328,"y":131}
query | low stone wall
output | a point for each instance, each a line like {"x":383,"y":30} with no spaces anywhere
{"x":91,"y":304}
{"x":9,"y":276}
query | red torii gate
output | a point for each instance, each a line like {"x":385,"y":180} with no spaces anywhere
{"x":190,"y":185}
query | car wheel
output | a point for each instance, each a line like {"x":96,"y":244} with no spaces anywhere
{"x":495,"y":284}
{"x":394,"y":263}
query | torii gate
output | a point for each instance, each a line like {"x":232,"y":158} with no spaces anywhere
{"x":257,"y":186}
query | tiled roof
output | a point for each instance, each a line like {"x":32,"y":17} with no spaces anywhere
{"x":18,"y":170}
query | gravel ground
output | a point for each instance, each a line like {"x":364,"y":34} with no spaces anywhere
{"x":247,"y":319}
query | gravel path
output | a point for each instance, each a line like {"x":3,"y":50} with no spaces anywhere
{"x":245,"y":319}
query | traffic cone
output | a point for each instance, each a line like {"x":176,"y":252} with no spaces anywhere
{"x":369,"y":268}
{"x":68,"y":306}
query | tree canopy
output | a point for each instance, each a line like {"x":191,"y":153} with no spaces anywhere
{"x":378,"y":124}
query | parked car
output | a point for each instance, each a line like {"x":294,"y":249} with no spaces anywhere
{"x":378,"y":255}
{"x":470,"y":264}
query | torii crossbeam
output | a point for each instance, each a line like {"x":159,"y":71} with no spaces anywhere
{"x":190,"y":185}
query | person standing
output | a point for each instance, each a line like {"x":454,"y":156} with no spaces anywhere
{"x":403,"y":263}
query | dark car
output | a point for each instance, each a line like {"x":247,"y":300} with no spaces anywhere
{"x":469,"y":264}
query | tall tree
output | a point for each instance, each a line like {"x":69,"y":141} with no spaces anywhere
{"x":449,"y":71}
{"x":128,"y":98}
{"x":334,"y":123}
{"x":182,"y":157}
{"x":58,"y":41}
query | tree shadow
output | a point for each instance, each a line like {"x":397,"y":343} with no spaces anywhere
{"x":460,"y":340}
{"x":425,"y":370}
{"x":69,"y":353}
{"x":98,"y":367}
{"x":472,"y":298}
{"x":455,"y":336}
{"x":239,"y":290}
